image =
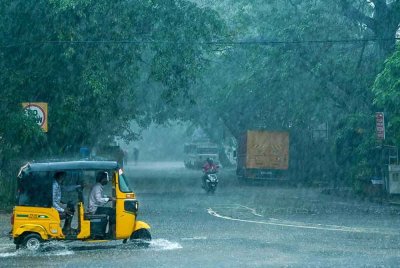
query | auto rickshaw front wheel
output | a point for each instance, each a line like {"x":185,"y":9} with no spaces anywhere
{"x":140,"y":238}
{"x":31,"y":242}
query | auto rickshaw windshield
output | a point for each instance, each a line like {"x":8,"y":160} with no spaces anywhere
{"x":123,"y":184}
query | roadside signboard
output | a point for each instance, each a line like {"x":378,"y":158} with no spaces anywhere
{"x":39,"y":110}
{"x":380,"y":125}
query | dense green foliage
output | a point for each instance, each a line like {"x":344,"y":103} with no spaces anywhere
{"x":225,"y":65}
{"x":72,"y":55}
{"x":387,"y":96}
{"x":302,"y":67}
{"x":99,"y":65}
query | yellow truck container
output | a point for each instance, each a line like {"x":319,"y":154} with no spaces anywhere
{"x":263,"y":155}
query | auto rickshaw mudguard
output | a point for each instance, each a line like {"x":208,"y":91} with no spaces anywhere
{"x":31,"y":228}
{"x":140,"y":225}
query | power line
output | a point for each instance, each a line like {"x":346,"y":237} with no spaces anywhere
{"x":211,"y":43}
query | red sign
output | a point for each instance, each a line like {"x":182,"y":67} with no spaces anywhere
{"x":380,"y":125}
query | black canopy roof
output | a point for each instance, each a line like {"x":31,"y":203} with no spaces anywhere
{"x":71,"y":165}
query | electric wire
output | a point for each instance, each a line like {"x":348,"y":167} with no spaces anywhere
{"x":208,"y":43}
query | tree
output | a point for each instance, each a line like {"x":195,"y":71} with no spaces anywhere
{"x":387,"y":96}
{"x":381,"y":17}
{"x":295,"y":71}
{"x":92,"y":62}
{"x":86,"y":59}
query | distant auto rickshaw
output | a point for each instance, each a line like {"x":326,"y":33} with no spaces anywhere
{"x":35,"y":220}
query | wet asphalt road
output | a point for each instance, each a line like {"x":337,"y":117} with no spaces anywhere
{"x":239,"y":226}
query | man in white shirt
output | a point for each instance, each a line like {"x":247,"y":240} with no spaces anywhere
{"x":97,"y":200}
{"x":65,"y":211}
{"x":57,"y":204}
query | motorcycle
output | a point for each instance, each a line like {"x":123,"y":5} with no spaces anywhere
{"x":210,"y":180}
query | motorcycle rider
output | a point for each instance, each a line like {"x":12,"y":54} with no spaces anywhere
{"x":209,"y":167}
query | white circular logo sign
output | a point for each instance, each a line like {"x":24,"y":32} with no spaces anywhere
{"x":38,"y":113}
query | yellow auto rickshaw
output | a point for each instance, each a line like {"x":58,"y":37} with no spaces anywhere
{"x":35,"y":220}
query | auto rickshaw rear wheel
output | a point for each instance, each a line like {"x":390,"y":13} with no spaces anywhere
{"x":141,"y":237}
{"x":31,"y":242}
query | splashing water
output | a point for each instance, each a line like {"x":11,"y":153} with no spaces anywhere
{"x":163,"y":244}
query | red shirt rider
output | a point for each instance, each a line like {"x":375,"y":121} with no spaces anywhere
{"x":209,"y":166}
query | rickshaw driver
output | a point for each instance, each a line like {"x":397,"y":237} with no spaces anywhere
{"x":97,"y":200}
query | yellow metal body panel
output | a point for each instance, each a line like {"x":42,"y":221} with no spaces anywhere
{"x":31,"y":228}
{"x":44,"y":221}
{"x":125,"y":221}
{"x":84,"y":224}
{"x":141,"y":225}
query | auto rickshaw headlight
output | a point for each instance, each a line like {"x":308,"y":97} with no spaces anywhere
{"x":131,"y":205}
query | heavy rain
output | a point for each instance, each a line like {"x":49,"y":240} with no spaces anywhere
{"x":198,"y":133}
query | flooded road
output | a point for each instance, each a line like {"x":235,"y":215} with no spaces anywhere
{"x":238,"y":226}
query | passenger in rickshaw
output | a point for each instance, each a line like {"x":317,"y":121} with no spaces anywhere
{"x":66,"y":211}
{"x":97,"y":200}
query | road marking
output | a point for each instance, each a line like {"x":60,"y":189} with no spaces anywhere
{"x":238,"y":206}
{"x":277,"y":222}
{"x":252,"y":210}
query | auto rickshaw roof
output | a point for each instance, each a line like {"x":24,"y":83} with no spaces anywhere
{"x":72,"y":165}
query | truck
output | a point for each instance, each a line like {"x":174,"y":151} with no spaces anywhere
{"x":263,"y":155}
{"x":196,"y":153}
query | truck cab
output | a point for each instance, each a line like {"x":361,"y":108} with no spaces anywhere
{"x":196,"y":154}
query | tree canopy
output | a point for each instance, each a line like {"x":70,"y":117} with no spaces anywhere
{"x":299,"y":66}
{"x":92,"y":61}
{"x":99,"y":65}
{"x":387,"y":96}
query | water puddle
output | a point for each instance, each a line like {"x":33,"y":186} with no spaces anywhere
{"x":57,"y":248}
{"x":7,"y":252}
